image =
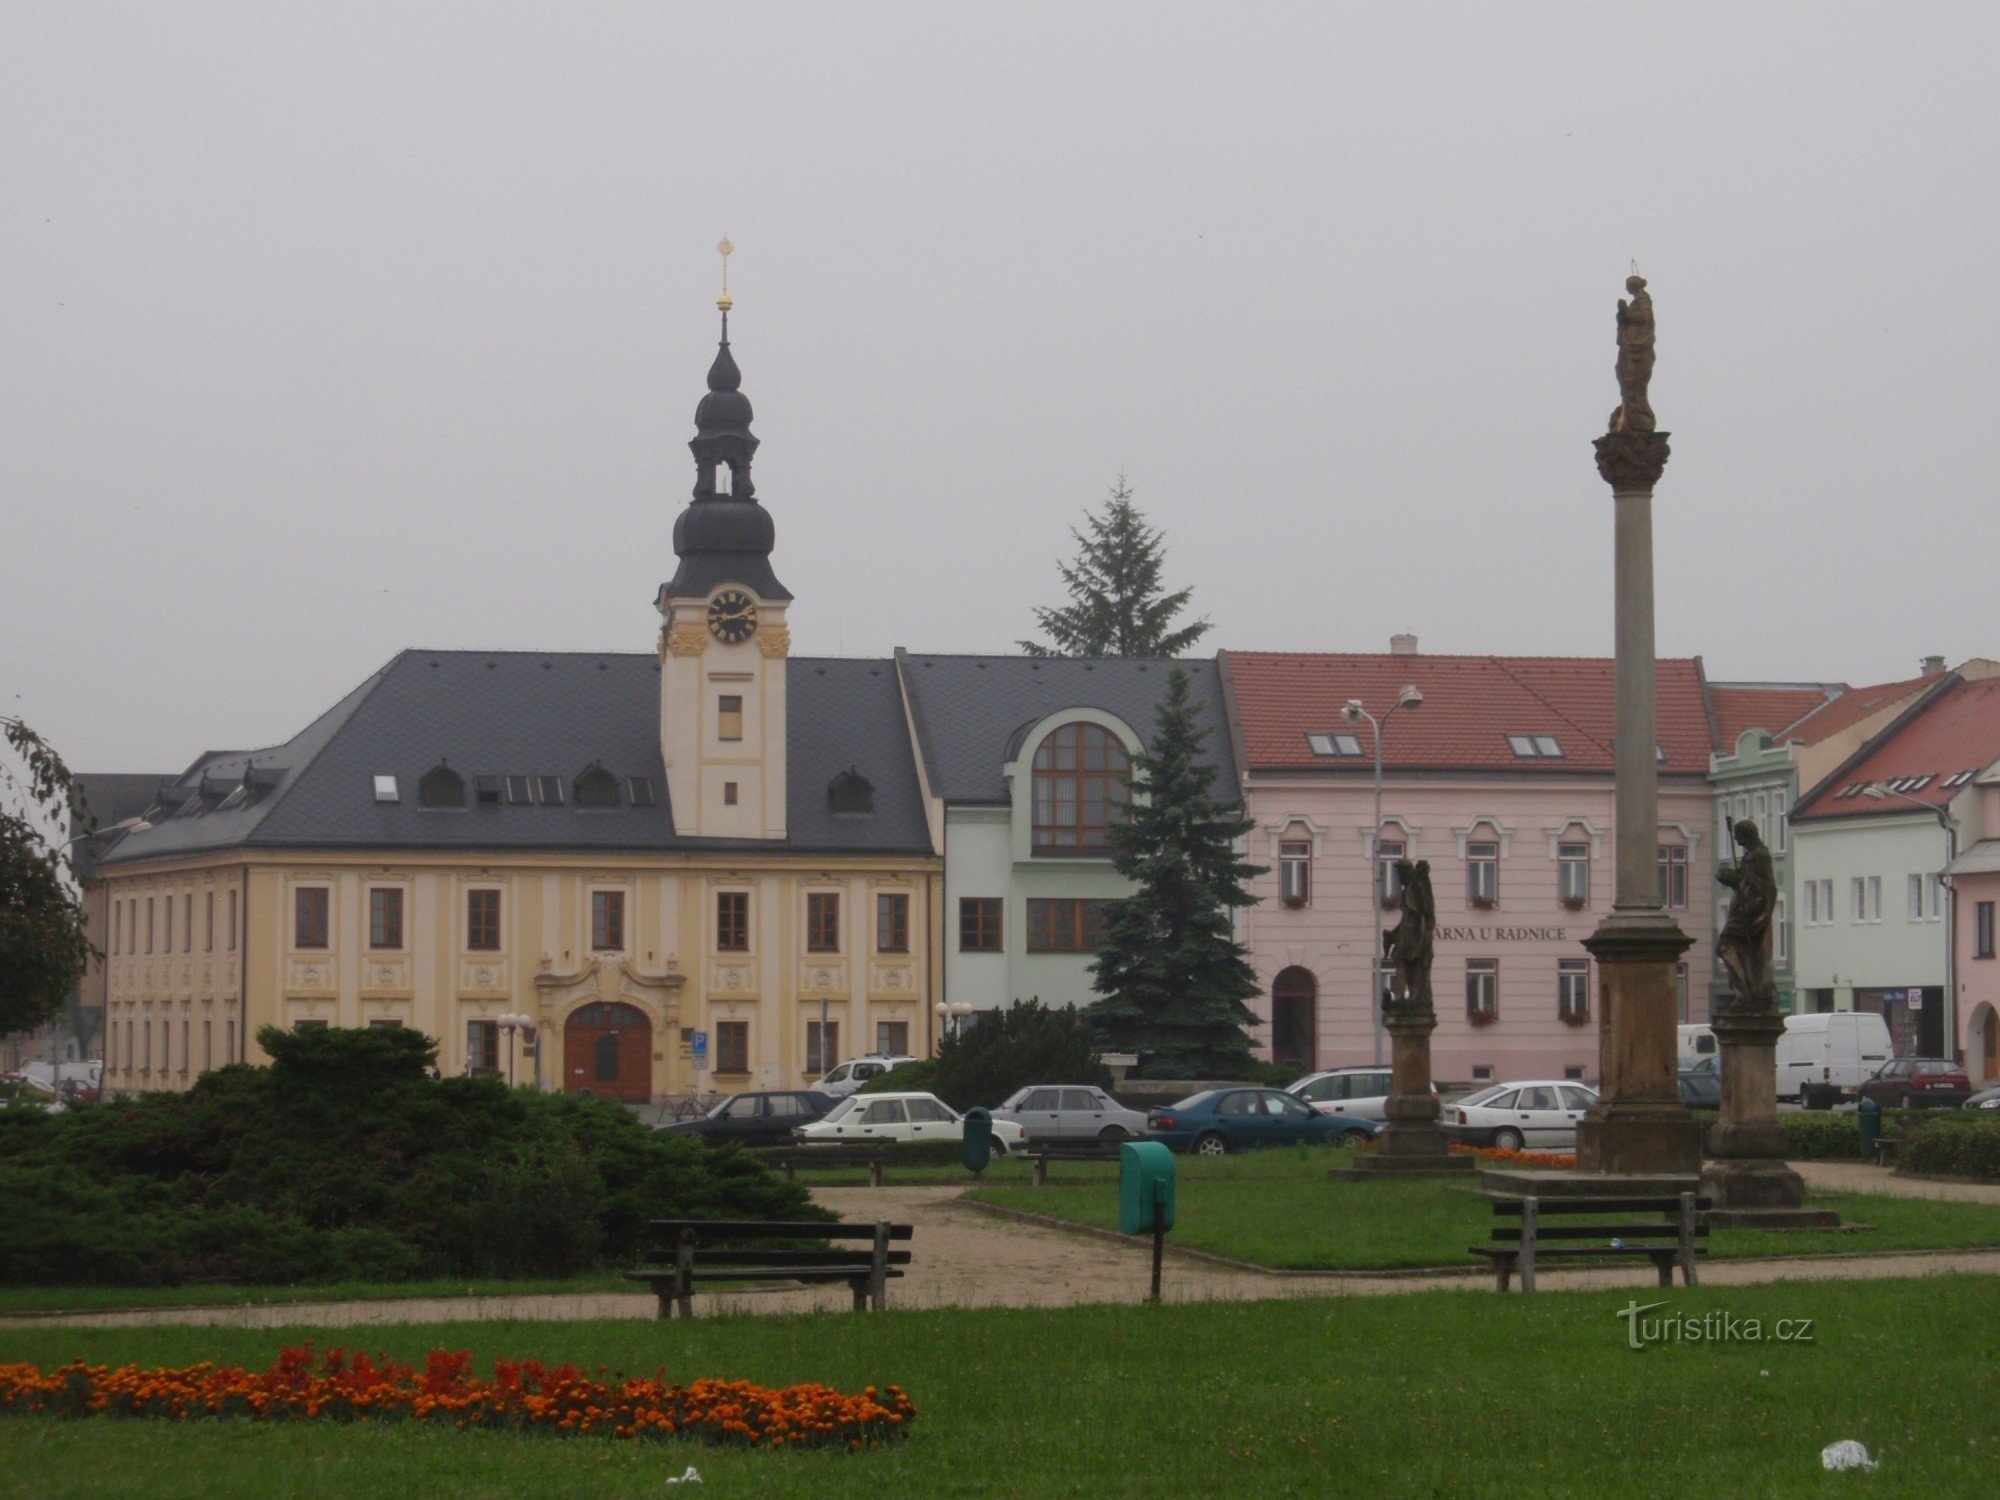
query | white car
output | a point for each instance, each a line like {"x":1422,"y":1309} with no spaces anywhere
{"x":899,"y":1117}
{"x":1537,"y":1115}
{"x":1359,"y":1093}
{"x":844,"y":1079}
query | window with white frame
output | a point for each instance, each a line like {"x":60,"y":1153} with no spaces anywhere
{"x":1573,"y":874}
{"x":1934,"y":883}
{"x":1781,"y":821}
{"x":1722,"y":831}
{"x":1573,"y":989}
{"x":1915,"y":886}
{"x":1388,"y":884}
{"x":1673,"y":875}
{"x":1295,"y":872}
{"x":1482,"y":873}
{"x":1760,"y":814}
{"x":1781,"y":934}
{"x":1482,"y":988}
{"x":1866,"y":897}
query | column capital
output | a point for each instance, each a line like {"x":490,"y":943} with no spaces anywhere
{"x":1631,"y":461}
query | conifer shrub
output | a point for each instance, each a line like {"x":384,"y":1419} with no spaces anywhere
{"x":345,"y":1160}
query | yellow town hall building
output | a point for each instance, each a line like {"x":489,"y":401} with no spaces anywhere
{"x":564,"y":866}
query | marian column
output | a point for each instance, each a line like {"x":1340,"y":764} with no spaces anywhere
{"x":1638,"y":1126}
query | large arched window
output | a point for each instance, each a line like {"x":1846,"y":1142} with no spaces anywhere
{"x":1080,"y":774}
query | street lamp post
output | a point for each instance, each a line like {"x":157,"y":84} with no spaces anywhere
{"x":1354,"y":713}
{"x":514,"y":1025}
{"x":951,"y":1017}
{"x":1942,"y":814}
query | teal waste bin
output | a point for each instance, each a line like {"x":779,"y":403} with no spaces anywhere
{"x":1870,"y":1115}
{"x":1145,"y":1178}
{"x":976,"y":1146}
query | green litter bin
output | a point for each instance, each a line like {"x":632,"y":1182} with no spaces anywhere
{"x":976,"y":1145}
{"x":1145,"y":1177}
{"x":1870,"y":1115}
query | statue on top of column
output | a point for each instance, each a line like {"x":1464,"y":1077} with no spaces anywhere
{"x":1635,"y":359}
{"x":1408,"y":945}
{"x":1744,"y":945}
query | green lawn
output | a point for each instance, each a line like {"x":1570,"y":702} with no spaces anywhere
{"x":1280,"y":1209}
{"x":1434,"y":1393}
{"x":15,"y":1299}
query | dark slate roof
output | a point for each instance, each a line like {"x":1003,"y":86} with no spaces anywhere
{"x":972,"y":711}
{"x":107,"y":797}
{"x":534,"y":714}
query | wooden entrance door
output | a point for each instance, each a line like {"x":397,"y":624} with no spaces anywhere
{"x":1295,"y":1019}
{"x":608,"y":1051}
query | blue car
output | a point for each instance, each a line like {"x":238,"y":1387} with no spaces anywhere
{"x":1217,"y":1121}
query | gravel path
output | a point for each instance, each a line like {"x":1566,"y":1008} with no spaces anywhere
{"x":1859,"y":1177}
{"x":964,"y":1257}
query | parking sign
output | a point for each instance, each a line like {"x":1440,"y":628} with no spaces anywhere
{"x":700,"y":1046}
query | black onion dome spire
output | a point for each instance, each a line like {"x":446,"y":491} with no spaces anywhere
{"x":724,"y":536}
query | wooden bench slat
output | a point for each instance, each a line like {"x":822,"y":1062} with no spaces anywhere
{"x":1601,"y":1232}
{"x":1600,"y":1252}
{"x":795,"y":1257}
{"x":775,"y":1229}
{"x":1599,"y":1205}
{"x":848,"y":1272}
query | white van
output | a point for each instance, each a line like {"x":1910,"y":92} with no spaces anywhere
{"x":1693,"y":1043}
{"x":849,"y":1076}
{"x":1825,"y":1057}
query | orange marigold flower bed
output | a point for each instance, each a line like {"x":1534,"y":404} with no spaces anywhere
{"x":1518,"y":1158}
{"x":521,"y":1395}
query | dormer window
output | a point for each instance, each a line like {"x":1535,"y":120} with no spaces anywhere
{"x":441,"y":786}
{"x":850,"y":794}
{"x":596,"y":787}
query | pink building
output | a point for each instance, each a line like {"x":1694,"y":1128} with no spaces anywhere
{"x":1975,"y":897}
{"x":1502,"y":780}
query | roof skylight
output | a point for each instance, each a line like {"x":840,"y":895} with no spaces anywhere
{"x":1334,"y":746}
{"x":1535,"y":746}
{"x":385,"y":789}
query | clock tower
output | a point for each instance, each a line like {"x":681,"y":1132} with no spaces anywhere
{"x":723,"y":640}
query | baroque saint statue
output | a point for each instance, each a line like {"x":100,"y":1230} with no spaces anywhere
{"x":1408,"y":944}
{"x":1635,"y":359}
{"x":1744,"y":945}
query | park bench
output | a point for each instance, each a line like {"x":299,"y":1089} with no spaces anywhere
{"x":791,"y":1158}
{"x":714,"y":1250}
{"x":1885,"y":1150}
{"x":1041,"y":1156}
{"x":1521,"y":1235}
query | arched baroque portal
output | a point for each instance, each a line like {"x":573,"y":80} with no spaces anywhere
{"x":1984,"y":1053}
{"x":608,"y":1051}
{"x":1295,"y":1019}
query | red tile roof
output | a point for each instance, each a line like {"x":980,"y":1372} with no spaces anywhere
{"x":1471,"y":704}
{"x":1765,"y":706}
{"x":1854,"y":705}
{"x":1959,"y":730}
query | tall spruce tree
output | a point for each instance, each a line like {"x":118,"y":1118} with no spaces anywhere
{"x":1116,"y":607}
{"x":1171,"y":977}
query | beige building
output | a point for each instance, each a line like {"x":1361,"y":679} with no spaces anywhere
{"x":706,"y":866}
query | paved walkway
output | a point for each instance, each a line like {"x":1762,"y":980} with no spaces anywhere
{"x":1859,"y":1177}
{"x":965,"y":1257}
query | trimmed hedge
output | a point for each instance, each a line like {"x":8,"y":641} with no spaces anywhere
{"x":344,"y":1160}
{"x":1949,"y":1144}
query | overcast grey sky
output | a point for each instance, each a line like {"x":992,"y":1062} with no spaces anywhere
{"x":327,"y":330}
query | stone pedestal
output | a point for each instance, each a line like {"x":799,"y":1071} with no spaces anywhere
{"x":1748,"y":1180}
{"x":1411,"y":1143}
{"x":1638,"y":1127}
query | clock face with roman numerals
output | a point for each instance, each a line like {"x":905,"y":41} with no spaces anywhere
{"x":732,"y":617}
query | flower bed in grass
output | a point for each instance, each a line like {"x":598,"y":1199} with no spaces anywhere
{"x":522,"y":1396}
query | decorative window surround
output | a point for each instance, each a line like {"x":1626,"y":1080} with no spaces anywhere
{"x":1284,"y":826}
{"x":1558,"y":836}
{"x":1500,"y":831}
{"x":1410,"y":833}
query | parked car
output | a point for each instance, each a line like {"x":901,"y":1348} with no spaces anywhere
{"x":1538,"y":1114}
{"x":844,"y":1079}
{"x":1359,"y":1093}
{"x":1694,"y":1043}
{"x":1826,"y":1056}
{"x":1216,"y":1121}
{"x":1071,"y":1113}
{"x":1700,"y":1088}
{"x":1918,"y":1082}
{"x":761,"y":1119}
{"x":862,"y":1118}
{"x":1984,"y":1099}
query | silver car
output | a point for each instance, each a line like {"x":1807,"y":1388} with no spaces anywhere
{"x":1071,"y":1113}
{"x":1359,"y":1093}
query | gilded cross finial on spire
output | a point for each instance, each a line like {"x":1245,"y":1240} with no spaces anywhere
{"x":724,"y":301}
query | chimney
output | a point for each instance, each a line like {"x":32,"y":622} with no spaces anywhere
{"x":1933,"y":666}
{"x":1406,"y":645}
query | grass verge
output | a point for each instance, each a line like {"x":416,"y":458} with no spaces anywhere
{"x":1435,"y":1393}
{"x":1280,"y":1209}
{"x":22,"y":1299}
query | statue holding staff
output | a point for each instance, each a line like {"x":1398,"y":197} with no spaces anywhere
{"x":1408,"y":944}
{"x":1744,"y":945}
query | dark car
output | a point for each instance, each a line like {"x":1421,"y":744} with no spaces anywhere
{"x":1917,"y":1082}
{"x":1216,"y":1121}
{"x":765,"y":1119}
{"x":1700,"y":1088}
